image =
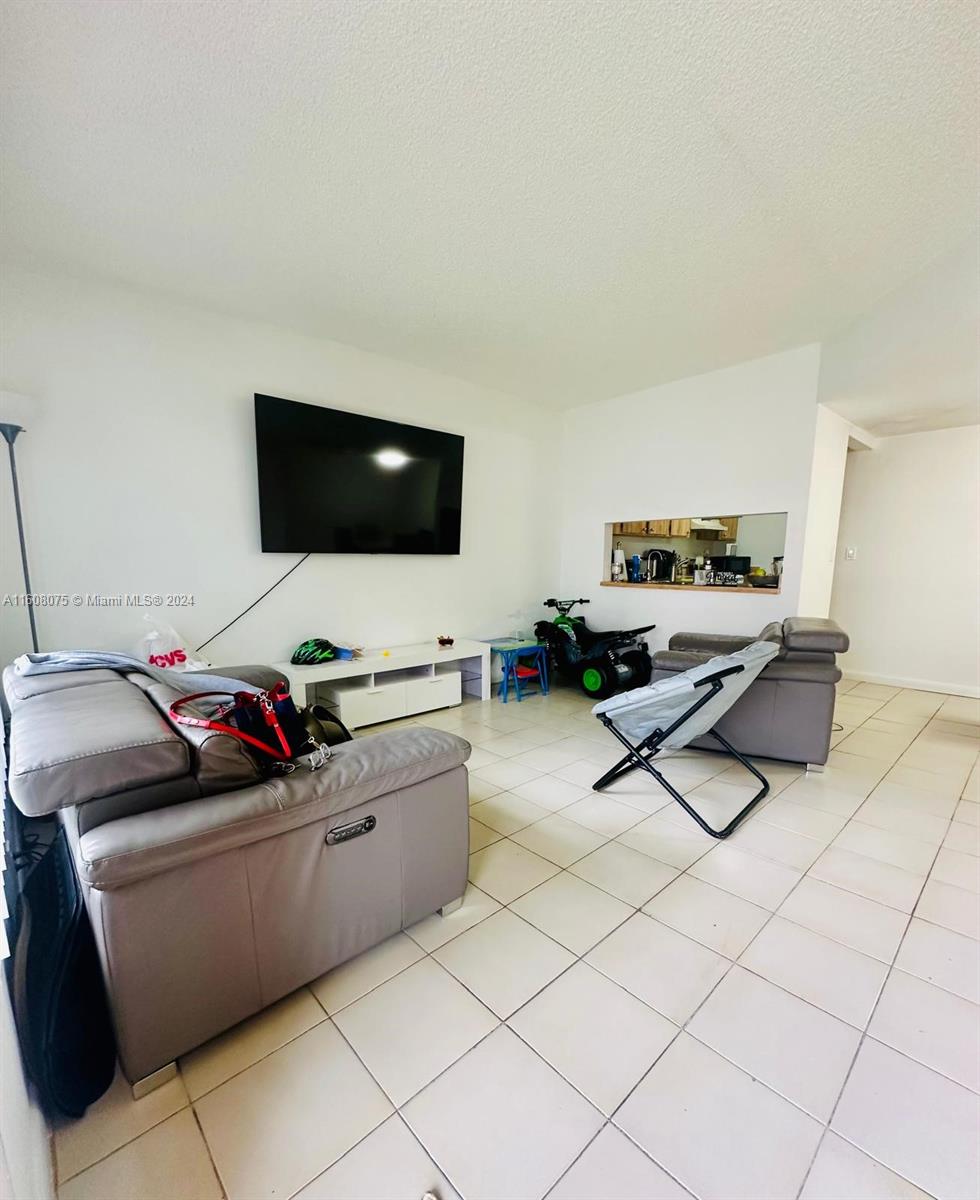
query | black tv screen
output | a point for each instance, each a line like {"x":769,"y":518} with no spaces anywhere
{"x":334,"y":482}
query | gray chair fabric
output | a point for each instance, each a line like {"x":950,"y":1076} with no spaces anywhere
{"x":787,"y":713}
{"x":658,"y":705}
{"x":669,"y":713}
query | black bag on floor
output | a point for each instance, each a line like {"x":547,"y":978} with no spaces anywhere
{"x":59,"y":997}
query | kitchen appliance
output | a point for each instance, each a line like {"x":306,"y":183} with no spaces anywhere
{"x":735,"y":564}
{"x":661,"y":566}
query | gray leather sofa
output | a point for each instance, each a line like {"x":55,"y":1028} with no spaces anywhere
{"x":212,"y":890}
{"x":788,"y":712}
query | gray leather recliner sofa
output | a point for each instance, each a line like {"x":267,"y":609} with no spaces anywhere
{"x":212,"y":890}
{"x":788,"y":712}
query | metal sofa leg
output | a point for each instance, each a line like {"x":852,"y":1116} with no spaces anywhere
{"x":451,"y":907}
{"x":815,"y":768}
{"x":149,"y":1083}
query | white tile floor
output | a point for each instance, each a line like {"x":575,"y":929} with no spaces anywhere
{"x":623,"y":1008}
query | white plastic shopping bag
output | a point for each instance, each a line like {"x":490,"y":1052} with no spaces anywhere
{"x":162,"y":646}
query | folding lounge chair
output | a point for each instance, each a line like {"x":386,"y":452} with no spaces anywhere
{"x":668,"y":714}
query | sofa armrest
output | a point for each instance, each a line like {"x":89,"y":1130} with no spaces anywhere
{"x":118,"y":852}
{"x":709,"y":643}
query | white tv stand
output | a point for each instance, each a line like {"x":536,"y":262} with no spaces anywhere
{"x":399,"y":683}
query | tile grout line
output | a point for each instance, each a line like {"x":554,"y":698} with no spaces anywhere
{"x":637,"y":910}
{"x":59,"y":1180}
{"x":864,"y":1036}
{"x":580,"y":958}
{"x":863,"y":1033}
{"x":395,"y":1109}
{"x":210,"y":1153}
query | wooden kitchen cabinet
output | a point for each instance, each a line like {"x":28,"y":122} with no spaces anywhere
{"x":629,"y":528}
{"x":676,"y":527}
{"x":731,"y":529}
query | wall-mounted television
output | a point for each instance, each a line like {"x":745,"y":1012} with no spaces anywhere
{"x":333,"y":482}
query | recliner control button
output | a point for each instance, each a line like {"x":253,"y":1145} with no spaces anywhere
{"x":344,"y":833}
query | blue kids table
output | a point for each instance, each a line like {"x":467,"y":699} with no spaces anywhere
{"x":534,"y":666}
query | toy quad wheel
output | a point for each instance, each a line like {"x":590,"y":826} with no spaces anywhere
{"x":597,"y":679}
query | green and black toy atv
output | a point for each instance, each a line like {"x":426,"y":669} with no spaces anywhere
{"x":600,"y":662}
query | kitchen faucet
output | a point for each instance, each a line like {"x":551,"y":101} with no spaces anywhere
{"x":667,"y":557}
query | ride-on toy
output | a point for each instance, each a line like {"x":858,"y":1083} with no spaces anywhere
{"x":600,"y":662}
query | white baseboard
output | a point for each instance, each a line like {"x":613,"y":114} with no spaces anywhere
{"x":919,"y":685}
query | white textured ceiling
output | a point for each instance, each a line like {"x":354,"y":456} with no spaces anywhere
{"x":913,"y":362}
{"x":560,"y":199}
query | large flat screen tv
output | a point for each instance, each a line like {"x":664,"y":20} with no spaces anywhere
{"x":334,"y":482}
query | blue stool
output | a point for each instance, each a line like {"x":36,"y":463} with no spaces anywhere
{"x":516,"y":672}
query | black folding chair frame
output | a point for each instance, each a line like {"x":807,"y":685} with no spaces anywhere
{"x":640,"y":755}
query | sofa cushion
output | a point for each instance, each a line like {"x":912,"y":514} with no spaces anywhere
{"x":815,"y":634}
{"x":803,"y":668}
{"x":710,"y":643}
{"x":218,"y":760}
{"x":773,"y":632}
{"x":680,"y":660}
{"x":253,"y":675}
{"x":19,"y":687}
{"x":89,"y":740}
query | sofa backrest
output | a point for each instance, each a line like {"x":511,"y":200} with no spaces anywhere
{"x":807,"y":639}
{"x":814,"y":635}
{"x":105,"y":744}
{"x":89,"y":740}
{"x":219,"y":762}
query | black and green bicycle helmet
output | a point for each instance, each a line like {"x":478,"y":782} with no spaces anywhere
{"x":313,"y":651}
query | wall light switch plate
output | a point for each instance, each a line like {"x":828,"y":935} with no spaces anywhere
{"x":850,"y":553}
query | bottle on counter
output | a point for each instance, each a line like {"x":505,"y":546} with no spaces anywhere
{"x":618,"y":564}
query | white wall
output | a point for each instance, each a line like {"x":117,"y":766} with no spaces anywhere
{"x":911,"y":598}
{"x":26,"y":1165}
{"x":139,"y":475}
{"x":913,"y":361}
{"x":823,"y":512}
{"x":25,"y":1147}
{"x":762,"y":536}
{"x":738,"y":440}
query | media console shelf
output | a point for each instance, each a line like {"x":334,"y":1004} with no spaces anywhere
{"x":405,"y":681}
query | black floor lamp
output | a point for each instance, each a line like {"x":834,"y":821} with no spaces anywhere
{"x":9,"y":432}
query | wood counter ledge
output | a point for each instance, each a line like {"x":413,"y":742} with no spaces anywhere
{"x":700,"y":588}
